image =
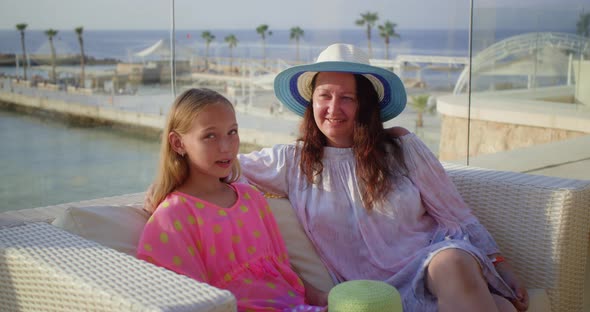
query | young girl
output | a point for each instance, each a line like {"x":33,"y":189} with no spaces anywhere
{"x":205,"y":225}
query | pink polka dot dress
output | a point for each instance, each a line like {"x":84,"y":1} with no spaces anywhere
{"x":238,"y":248}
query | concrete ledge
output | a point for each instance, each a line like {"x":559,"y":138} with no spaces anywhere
{"x":537,"y":157}
{"x":521,"y":107}
{"x":87,"y":111}
{"x":133,"y":119}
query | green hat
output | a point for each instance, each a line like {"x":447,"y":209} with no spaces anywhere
{"x":364,"y":296}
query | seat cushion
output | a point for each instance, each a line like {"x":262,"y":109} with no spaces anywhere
{"x":117,"y":227}
{"x":304,"y":259}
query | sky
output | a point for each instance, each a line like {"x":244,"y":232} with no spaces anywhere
{"x":278,"y":14}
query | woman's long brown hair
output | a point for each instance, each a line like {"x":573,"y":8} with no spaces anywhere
{"x":371,"y":145}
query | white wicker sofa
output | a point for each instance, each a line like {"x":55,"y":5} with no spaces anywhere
{"x":542,"y":225}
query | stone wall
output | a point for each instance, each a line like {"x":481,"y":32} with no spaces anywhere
{"x":488,"y":137}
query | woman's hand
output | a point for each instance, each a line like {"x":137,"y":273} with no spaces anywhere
{"x":521,"y":302}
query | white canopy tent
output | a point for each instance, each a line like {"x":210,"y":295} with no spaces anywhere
{"x":161,"y":49}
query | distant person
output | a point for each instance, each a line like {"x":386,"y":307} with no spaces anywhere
{"x":431,"y":104}
{"x":208,"y":227}
{"x":377,"y":207}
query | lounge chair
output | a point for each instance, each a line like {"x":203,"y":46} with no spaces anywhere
{"x":77,"y":256}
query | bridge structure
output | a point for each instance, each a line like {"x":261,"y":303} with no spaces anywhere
{"x":526,"y":55}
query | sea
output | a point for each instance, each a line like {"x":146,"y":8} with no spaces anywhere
{"x":45,"y":161}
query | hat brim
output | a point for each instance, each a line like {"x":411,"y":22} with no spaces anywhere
{"x":290,"y":86}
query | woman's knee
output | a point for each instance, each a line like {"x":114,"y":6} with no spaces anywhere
{"x":453,"y":268}
{"x":453,"y":259}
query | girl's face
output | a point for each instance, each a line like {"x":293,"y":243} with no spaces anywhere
{"x":212,"y":143}
{"x":335,"y":105}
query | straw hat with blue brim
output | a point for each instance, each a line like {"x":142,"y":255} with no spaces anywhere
{"x":293,"y":85}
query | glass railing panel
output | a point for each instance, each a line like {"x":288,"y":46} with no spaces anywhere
{"x":240,"y":57}
{"x":527,"y":110}
{"x":78,"y":128}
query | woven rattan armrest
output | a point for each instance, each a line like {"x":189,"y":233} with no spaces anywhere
{"x":45,"y":268}
{"x":542,"y":225}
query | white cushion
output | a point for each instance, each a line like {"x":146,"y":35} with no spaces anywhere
{"x":304,"y":259}
{"x":117,"y":227}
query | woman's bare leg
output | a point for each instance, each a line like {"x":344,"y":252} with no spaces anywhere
{"x":455,"y":279}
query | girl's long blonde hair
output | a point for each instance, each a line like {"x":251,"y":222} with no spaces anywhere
{"x":173,"y":169}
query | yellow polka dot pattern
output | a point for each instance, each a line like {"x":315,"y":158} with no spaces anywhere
{"x":227,"y":277}
{"x":178,"y":225}
{"x":191,"y":220}
{"x":177,"y":261}
{"x":225,"y":241}
{"x":164,"y":237}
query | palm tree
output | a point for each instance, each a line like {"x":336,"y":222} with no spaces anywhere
{"x":21,"y":28}
{"x":208,"y":37}
{"x":369,"y":19}
{"x":262,"y":30}
{"x":420,"y":104}
{"x":387,"y":31}
{"x":583,"y":25}
{"x":296,"y":34}
{"x":50,"y":33}
{"x":232,"y":42}
{"x":79,"y":31}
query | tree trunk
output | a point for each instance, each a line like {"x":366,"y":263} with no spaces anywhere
{"x":53,"y":75}
{"x":82,"y":65}
{"x":22,"y":43}
{"x":419,"y":120}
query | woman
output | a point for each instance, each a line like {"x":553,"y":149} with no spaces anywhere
{"x":377,"y":208}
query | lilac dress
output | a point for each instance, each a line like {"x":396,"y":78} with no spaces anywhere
{"x":395,"y":241}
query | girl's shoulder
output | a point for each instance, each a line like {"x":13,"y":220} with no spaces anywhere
{"x":244,"y":188}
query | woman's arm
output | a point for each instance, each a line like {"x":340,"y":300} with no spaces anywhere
{"x":268,"y":168}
